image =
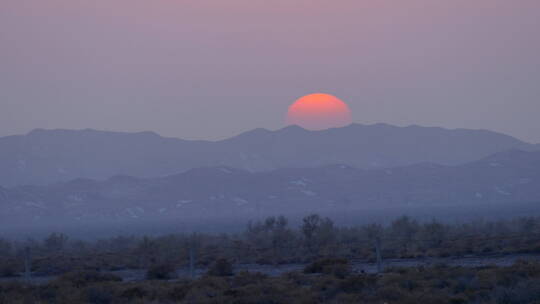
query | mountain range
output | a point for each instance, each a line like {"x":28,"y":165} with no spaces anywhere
{"x":44,"y":157}
{"x":503,"y":178}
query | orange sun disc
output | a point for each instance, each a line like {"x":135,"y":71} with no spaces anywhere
{"x":318,"y":112}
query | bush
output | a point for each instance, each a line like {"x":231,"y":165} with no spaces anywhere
{"x":54,"y":267}
{"x":164,"y":271}
{"x":136,"y":292}
{"x":355,"y":284}
{"x":245,"y":278}
{"x":339,"y":270}
{"x":178,"y":293}
{"x":83,"y":278}
{"x":8,"y":269}
{"x":221,"y":268}
{"x":523,"y":292}
{"x":99,"y":295}
{"x":338,"y":267}
{"x":431,"y":285}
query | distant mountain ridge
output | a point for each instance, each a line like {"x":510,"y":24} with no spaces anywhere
{"x":48,"y":156}
{"x":504,"y":178}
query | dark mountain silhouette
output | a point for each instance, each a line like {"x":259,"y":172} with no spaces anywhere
{"x":48,"y":156}
{"x":504,"y":178}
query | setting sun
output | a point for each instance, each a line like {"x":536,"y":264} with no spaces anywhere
{"x":319,"y":111}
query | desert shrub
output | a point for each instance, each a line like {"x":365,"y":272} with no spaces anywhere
{"x":8,"y":268}
{"x":81,"y":279}
{"x":274,"y":241}
{"x":163,"y":271}
{"x":12,"y":287}
{"x":221,"y":268}
{"x":99,"y":295}
{"x":337,"y":267}
{"x":355,"y":284}
{"x":327,"y":287}
{"x":205,"y":288}
{"x":409,"y":284}
{"x":390,"y":293}
{"x":458,"y":300}
{"x":47,"y":293}
{"x":135,"y":292}
{"x":339,"y":270}
{"x":396,"y":269}
{"x":298,"y":278}
{"x":246,"y":278}
{"x":179,"y":292}
{"x":318,"y":266}
{"x":465,"y":282}
{"x":522,"y":293}
{"x":426,"y":285}
{"x":54,"y":267}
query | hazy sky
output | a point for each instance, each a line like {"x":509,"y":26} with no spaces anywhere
{"x":211,"y":69}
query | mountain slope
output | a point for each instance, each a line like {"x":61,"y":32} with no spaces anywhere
{"x":368,"y":146}
{"x":44,"y":157}
{"x":504,"y":178}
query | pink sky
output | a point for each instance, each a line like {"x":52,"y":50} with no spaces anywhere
{"x":210,"y":69}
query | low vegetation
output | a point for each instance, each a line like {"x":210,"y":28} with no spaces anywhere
{"x":272,"y":241}
{"x":79,"y":268}
{"x":163,"y":271}
{"x":440,"y":284}
{"x":221,"y":268}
